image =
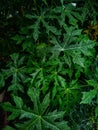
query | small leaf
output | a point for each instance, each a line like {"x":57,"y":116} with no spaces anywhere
{"x":34,"y":95}
{"x":63,"y":125}
{"x":28,"y":114}
{"x":78,"y":60}
{"x":13,"y":115}
{"x":62,"y":81}
{"x":15,"y":57}
{"x":7,"y":106}
{"x":15,"y":87}
{"x":54,"y":115}
{"x":29,"y":16}
{"x":76,"y":32}
{"x":8,"y":128}
{"x":18,"y":38}
{"x":88,"y":96}
{"x":41,"y":46}
{"x":36,"y":30}
{"x":96,"y":111}
{"x":18,"y":101}
{"x":45,"y":104}
{"x":2,"y":81}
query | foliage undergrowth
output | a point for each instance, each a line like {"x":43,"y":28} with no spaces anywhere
{"x":52,"y":77}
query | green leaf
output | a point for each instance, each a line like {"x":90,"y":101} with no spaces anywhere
{"x":28,"y":113}
{"x":15,"y":87}
{"x":18,"y":38}
{"x":15,"y":111}
{"x":54,"y":115}
{"x":45,"y":104}
{"x":29,"y":16}
{"x":7,"y":106}
{"x":36,"y":30}
{"x":13,"y":115}
{"x":15,"y":57}
{"x":62,"y":81}
{"x":73,"y":21}
{"x":88,"y":96}
{"x":63,"y":125}
{"x":45,"y":2}
{"x":54,"y":91}
{"x":41,"y":46}
{"x":35,"y":75}
{"x":38,"y":119}
{"x":96,"y":111}
{"x":57,"y":126}
{"x":18,"y":101}
{"x":2,"y":81}
{"x":8,"y":128}
{"x":34,"y":96}
{"x":77,"y":59}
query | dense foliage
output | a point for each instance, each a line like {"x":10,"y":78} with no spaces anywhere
{"x":48,"y":65}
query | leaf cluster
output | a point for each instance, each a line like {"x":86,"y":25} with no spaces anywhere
{"x":52,"y":80}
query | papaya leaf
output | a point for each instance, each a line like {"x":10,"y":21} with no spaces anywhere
{"x":38,"y":118}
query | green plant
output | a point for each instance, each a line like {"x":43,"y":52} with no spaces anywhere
{"x":54,"y":75}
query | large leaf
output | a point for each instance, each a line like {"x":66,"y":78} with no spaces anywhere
{"x":74,"y":52}
{"x":38,"y":118}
